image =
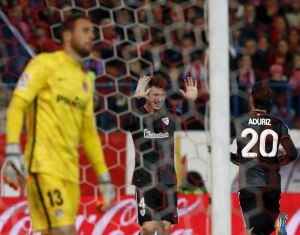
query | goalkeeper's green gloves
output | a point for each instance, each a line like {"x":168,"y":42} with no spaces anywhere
{"x":107,"y":191}
{"x":13,"y":170}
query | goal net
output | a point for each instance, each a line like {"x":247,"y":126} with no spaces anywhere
{"x":133,"y":38}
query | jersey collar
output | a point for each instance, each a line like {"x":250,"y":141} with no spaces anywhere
{"x":67,"y":57}
{"x":258,"y":112}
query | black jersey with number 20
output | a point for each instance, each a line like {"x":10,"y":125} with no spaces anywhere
{"x":258,"y":137}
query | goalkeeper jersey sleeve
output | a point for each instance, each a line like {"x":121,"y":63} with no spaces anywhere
{"x":33,"y":79}
{"x":91,"y":142}
{"x":30,"y":83}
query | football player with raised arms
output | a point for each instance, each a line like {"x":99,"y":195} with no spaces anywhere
{"x":154,"y":174}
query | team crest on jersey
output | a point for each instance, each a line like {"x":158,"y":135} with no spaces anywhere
{"x":85,"y":87}
{"x":23,"y":81}
{"x":165,"y":120}
{"x":58,"y":213}
{"x":142,"y":212}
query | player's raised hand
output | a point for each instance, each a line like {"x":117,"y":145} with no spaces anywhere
{"x":140,"y":91}
{"x":191,"y":90}
{"x":107,"y":191}
{"x":13,"y":171}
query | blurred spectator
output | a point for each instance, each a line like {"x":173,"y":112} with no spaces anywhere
{"x":245,"y":79}
{"x":151,"y":53}
{"x":135,"y":69}
{"x":139,"y":68}
{"x":250,"y":49}
{"x":111,"y":32}
{"x":236,"y":10}
{"x":267,"y":10}
{"x":115,"y":68}
{"x":279,"y":83}
{"x":292,"y":14}
{"x":184,"y":37}
{"x":252,"y":27}
{"x":278,"y":29}
{"x":194,"y":15}
{"x":109,"y":3}
{"x":3,"y":54}
{"x":142,"y":16}
{"x":295,"y":84}
{"x":94,"y":63}
{"x":294,"y":40}
{"x":18,"y":20}
{"x":85,"y":3}
{"x":262,"y":57}
{"x":158,"y":37}
{"x":49,"y":16}
{"x":170,"y":15}
{"x":193,"y":183}
{"x":42,"y":41}
{"x":157,"y":14}
{"x":127,"y":51}
{"x":277,"y":73}
{"x":8,"y":3}
{"x":138,"y":34}
{"x":246,"y":76}
{"x":281,"y":55}
{"x":124,"y":16}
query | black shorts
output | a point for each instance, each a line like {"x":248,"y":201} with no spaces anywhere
{"x":260,"y":208}
{"x":157,"y":204}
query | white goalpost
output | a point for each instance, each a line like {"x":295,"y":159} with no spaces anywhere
{"x":219,"y":115}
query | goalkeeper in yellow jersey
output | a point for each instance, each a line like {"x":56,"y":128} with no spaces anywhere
{"x":57,"y":96}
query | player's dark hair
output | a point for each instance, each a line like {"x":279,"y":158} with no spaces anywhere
{"x":158,"y":81}
{"x":261,"y":95}
{"x":69,"y":22}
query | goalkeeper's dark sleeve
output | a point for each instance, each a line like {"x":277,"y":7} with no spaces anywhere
{"x":92,"y":145}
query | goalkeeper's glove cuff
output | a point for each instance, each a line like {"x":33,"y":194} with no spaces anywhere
{"x":107,"y":190}
{"x":104,"y":178}
{"x":13,"y":149}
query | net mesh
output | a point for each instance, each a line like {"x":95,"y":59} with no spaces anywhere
{"x":133,"y":38}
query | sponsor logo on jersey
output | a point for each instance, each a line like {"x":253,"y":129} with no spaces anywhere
{"x":260,"y":121}
{"x":23,"y":81}
{"x":165,"y":120}
{"x":61,"y":79}
{"x":150,"y":135}
{"x":76,"y":102}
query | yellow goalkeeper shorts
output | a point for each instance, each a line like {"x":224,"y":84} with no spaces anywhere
{"x":53,"y":202}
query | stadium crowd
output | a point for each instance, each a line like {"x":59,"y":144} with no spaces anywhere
{"x":169,"y":38}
